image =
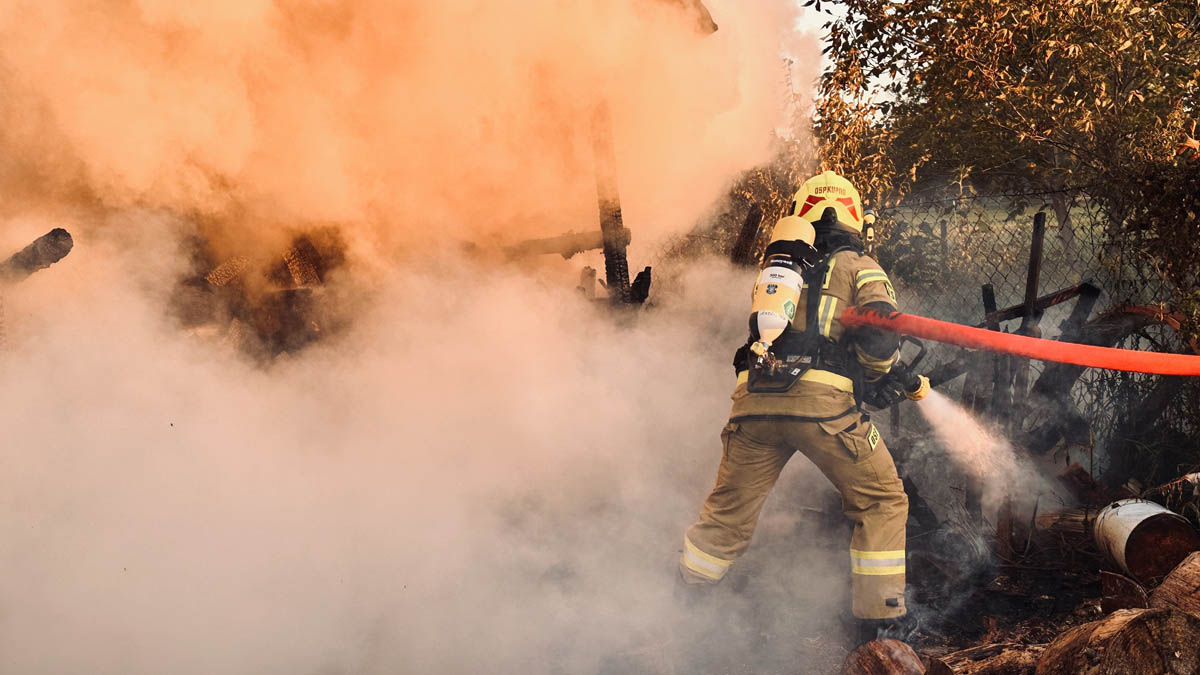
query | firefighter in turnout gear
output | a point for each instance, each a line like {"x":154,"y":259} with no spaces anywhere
{"x":800,"y":389}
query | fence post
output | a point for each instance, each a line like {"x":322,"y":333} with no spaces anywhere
{"x":1029,"y":322}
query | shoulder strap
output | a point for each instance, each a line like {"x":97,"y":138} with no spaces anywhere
{"x":813,"y":281}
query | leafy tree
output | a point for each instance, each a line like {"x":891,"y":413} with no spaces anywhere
{"x":1069,"y":98}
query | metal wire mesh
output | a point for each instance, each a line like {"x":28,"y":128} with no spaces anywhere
{"x":940,"y":252}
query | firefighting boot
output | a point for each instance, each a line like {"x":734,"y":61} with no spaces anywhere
{"x":692,"y":596}
{"x":902,"y":628}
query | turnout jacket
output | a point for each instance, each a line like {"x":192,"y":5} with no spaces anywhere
{"x":852,"y":279}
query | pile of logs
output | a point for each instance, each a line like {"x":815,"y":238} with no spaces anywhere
{"x":1127,"y":642}
{"x":1152,"y":610}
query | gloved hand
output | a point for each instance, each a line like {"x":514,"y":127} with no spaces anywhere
{"x":894,"y":387}
{"x":885,"y":392}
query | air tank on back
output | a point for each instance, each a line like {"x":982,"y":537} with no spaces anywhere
{"x":777,"y":291}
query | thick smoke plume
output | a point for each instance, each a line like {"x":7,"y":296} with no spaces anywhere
{"x":420,"y":122}
{"x":483,"y":473}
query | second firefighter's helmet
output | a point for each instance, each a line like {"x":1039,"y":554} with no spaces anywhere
{"x":827,"y":190}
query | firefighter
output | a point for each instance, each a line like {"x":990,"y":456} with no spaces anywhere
{"x":801,"y":390}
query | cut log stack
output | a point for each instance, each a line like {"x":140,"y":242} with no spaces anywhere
{"x":1127,"y":642}
{"x":1181,"y":588}
{"x":1145,"y":631}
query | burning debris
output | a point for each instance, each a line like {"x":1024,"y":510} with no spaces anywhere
{"x":558,"y":450}
{"x":264,"y":307}
{"x":42,"y":253}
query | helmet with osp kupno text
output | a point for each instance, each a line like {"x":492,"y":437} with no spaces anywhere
{"x":828,"y":190}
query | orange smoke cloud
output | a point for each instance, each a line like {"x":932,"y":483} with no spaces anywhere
{"x":418,"y":120}
{"x":480,"y":472}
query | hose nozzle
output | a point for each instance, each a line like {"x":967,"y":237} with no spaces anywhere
{"x":918,"y":388}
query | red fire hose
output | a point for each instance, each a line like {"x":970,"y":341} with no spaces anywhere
{"x":1020,"y":345}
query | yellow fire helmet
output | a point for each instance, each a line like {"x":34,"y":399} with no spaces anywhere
{"x":829,"y":190}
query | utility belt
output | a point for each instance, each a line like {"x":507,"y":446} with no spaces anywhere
{"x":839,"y":382}
{"x":795,"y":358}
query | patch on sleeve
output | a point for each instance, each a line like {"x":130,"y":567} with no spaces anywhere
{"x":873,"y":437}
{"x":890,"y":291}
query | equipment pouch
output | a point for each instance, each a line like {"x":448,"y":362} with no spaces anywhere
{"x":859,"y":439}
{"x":764,"y":380}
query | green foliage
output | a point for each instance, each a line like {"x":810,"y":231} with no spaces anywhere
{"x":1089,"y":97}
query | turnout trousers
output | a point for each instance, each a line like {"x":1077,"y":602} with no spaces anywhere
{"x":854,"y":458}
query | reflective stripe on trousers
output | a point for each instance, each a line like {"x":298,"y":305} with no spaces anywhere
{"x":703,"y":564}
{"x":876,"y":563}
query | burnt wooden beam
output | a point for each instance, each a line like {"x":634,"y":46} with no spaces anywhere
{"x":608,"y":200}
{"x":566,"y":245}
{"x":42,"y":253}
{"x":1042,"y":303}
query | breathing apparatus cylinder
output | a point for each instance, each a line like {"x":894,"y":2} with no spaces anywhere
{"x":777,"y":291}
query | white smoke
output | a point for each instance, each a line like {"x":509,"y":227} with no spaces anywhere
{"x":489,"y":476}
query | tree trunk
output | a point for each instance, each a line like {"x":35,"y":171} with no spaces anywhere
{"x":1181,"y":588}
{"x":1003,"y":658}
{"x":1127,"y":642}
{"x":883,"y":657}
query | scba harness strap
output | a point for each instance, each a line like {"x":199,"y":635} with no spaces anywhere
{"x":797,"y":352}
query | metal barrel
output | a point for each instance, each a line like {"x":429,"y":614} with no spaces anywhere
{"x":1144,"y":539}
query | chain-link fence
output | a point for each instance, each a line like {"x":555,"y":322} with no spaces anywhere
{"x":940,"y":252}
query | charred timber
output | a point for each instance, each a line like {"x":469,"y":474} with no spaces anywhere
{"x":1002,"y":658}
{"x":608,"y":199}
{"x":42,"y":253}
{"x":1087,"y":299}
{"x":566,"y":245}
{"x":1042,"y":303}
